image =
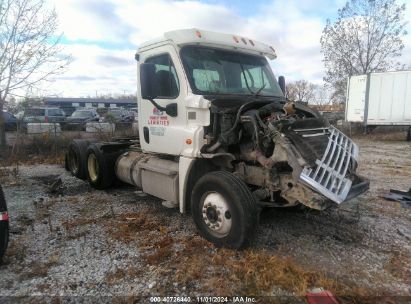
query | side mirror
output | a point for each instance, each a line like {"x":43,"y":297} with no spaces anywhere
{"x":281,"y":83}
{"x":147,"y":80}
{"x":171,"y":109}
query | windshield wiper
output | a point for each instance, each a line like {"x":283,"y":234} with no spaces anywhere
{"x":245,"y":78}
{"x":259,"y":90}
{"x":248,"y":86}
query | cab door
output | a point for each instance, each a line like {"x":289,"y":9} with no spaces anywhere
{"x":158,"y":131}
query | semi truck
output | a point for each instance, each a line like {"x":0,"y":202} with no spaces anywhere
{"x":380,"y":99}
{"x":217,"y":138}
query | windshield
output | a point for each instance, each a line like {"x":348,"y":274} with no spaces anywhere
{"x":82,"y":114}
{"x":215,"y":71}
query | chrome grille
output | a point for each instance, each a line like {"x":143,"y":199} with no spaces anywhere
{"x":329,"y":175}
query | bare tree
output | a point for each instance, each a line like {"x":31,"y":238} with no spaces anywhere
{"x":323,"y":98}
{"x":301,"y":90}
{"x":29,"y":48}
{"x":366,"y":37}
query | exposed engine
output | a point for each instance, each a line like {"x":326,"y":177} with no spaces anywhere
{"x":286,"y":151}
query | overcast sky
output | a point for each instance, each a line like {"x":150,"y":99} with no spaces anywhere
{"x":103,"y":36}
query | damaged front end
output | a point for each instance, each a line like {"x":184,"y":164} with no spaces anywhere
{"x":288,"y":154}
{"x":325,"y":161}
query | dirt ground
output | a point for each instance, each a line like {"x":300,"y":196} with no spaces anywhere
{"x":78,"y":241}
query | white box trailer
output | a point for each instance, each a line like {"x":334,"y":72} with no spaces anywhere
{"x":379,"y":99}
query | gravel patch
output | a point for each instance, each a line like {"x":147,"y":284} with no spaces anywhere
{"x":78,"y":241}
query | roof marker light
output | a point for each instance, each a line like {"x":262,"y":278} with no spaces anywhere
{"x":244,"y":41}
{"x":271,"y":48}
{"x":235,"y":39}
{"x":251,"y":42}
{"x":198,"y":34}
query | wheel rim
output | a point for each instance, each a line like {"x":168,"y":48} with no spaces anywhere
{"x":92,"y":167}
{"x":73,"y":162}
{"x":216,"y":214}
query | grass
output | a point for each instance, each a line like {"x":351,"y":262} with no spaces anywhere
{"x":253,"y":272}
{"x":76,"y":236}
{"x":120,"y":274}
{"x":69,"y":225}
{"x":163,"y":250}
{"x":113,"y":277}
{"x":18,"y":160}
{"x":381,"y":135}
{"x":40,"y":268}
{"x":399,"y":265}
{"x":9,"y":177}
{"x":16,"y":251}
{"x":125,"y":227}
{"x":195,"y":263}
{"x":43,"y":209}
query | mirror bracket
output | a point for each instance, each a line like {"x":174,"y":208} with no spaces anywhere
{"x":170,"y":109}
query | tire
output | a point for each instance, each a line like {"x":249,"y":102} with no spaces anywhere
{"x":76,"y":157}
{"x":239,"y":213}
{"x":4,"y":225}
{"x":100,"y":166}
{"x":66,"y":163}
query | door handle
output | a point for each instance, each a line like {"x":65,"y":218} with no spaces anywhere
{"x":146,"y":133}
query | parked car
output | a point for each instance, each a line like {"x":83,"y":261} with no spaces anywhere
{"x":4,"y":225}
{"x":80,"y":117}
{"x":44,"y":114}
{"x":135,"y":113}
{"x":83,"y":116}
{"x":10,"y":121}
{"x":117,"y":115}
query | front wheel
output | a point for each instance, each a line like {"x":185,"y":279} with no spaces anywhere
{"x":224,"y":210}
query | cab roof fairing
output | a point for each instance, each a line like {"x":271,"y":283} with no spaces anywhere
{"x":209,"y":38}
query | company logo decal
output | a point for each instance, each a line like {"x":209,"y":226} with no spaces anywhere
{"x":158,"y":118}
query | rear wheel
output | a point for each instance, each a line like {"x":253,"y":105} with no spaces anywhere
{"x":224,"y":210}
{"x":76,"y":157}
{"x":100,"y":166}
{"x":93,"y":167}
{"x":4,"y":225}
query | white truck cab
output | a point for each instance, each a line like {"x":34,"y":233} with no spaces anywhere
{"x":218,"y":138}
{"x":175,"y":57}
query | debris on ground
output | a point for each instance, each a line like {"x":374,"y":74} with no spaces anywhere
{"x":404,"y":197}
{"x":320,"y":296}
{"x":56,"y":186}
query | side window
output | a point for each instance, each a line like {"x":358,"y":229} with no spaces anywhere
{"x":55,"y":112}
{"x":166,"y":76}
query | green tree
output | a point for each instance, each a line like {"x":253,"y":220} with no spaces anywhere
{"x":366,"y":37}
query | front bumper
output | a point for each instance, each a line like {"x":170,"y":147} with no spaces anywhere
{"x":331,"y":175}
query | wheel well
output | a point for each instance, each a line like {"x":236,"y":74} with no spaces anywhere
{"x":198,"y":169}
